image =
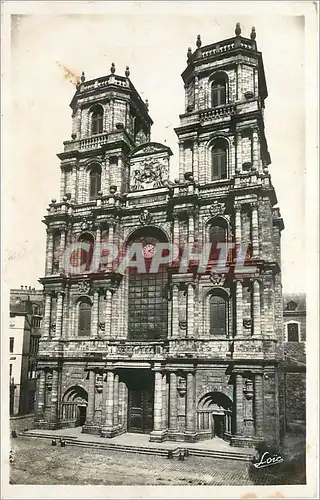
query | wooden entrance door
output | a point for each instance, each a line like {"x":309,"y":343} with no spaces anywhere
{"x":140,"y":407}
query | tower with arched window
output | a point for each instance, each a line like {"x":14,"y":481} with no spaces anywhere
{"x":176,"y":351}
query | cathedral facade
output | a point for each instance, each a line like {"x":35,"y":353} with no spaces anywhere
{"x":173,"y":351}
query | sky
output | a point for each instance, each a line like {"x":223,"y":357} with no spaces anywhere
{"x":49,"y":51}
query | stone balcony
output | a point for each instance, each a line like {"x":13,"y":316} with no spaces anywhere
{"x":93,"y":142}
{"x":218,"y":113}
{"x":107,"y":349}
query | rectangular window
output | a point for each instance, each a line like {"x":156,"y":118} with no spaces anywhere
{"x":218,"y":315}
{"x":148,"y":306}
{"x":34,"y":344}
{"x":293,"y":332}
{"x":11,"y":344}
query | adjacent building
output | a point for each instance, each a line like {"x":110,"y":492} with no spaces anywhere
{"x":177,"y":354}
{"x":294,"y":324}
{"x":26,"y":309}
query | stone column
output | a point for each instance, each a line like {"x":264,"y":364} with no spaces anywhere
{"x":255,"y":150}
{"x":239,"y":308}
{"x":157,"y":417}
{"x":173,"y":402}
{"x":191,"y":228}
{"x":54,"y":396}
{"x":175,"y":311}
{"x":116,"y":400}
{"x":175,"y":231}
{"x":109,"y":399}
{"x":59,"y":314}
{"x":190,"y":404}
{"x":239,"y":404}
{"x":158,"y":432}
{"x":164,"y":402}
{"x":190,"y":310}
{"x":107,"y":313}
{"x":62,"y":249}
{"x":256,"y":308}
{"x":104,"y":399}
{"x":62,"y":183}
{"x":106,"y":187}
{"x":110,"y":241}
{"x":258,"y":403}
{"x":40,"y":394}
{"x":91,"y":398}
{"x":239,"y":82}
{"x":239,"y":153}
{"x":181,"y":162}
{"x":74,"y":183}
{"x":49,"y":256}
{"x":196,"y":160}
{"x":238,"y":232}
{"x":95,"y":314}
{"x":47,"y":316}
{"x":255,"y":230}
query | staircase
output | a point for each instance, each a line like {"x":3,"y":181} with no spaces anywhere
{"x":163,"y":450}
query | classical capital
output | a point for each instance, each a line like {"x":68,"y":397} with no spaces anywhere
{"x":254,"y":205}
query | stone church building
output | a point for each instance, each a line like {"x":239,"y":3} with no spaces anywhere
{"x":177,"y":354}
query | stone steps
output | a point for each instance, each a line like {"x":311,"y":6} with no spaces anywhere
{"x":145,"y":450}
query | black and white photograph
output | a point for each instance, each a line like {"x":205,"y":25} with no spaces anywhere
{"x":159,"y":249}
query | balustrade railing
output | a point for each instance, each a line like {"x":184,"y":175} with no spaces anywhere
{"x":94,"y":142}
{"x":224,"y":111}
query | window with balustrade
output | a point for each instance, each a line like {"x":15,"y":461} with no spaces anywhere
{"x":97,"y":120}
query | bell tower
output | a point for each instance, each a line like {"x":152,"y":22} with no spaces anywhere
{"x":225,"y":92}
{"x":109,"y":119}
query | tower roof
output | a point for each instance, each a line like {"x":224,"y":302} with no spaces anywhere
{"x":111,"y":82}
{"x":225,"y":48}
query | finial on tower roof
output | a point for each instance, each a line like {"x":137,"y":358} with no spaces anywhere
{"x":83,"y":77}
{"x":127,"y":72}
{"x":189,"y":54}
{"x":253,"y":33}
{"x":238,"y":29}
{"x":199,"y":43}
{"x":147,"y":104}
{"x":113,"y":68}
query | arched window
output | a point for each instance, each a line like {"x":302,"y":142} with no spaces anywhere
{"x":218,"y":91}
{"x":219,"y":158}
{"x":217,"y":234}
{"x":85,"y":256}
{"x":84,"y":324}
{"x":293,"y":332}
{"x":218,"y":315}
{"x":95,"y":181}
{"x":97,"y":120}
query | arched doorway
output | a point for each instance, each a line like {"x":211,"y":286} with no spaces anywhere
{"x":74,"y":406}
{"x":214,"y":415}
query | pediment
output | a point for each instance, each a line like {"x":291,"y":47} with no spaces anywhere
{"x":150,"y":148}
